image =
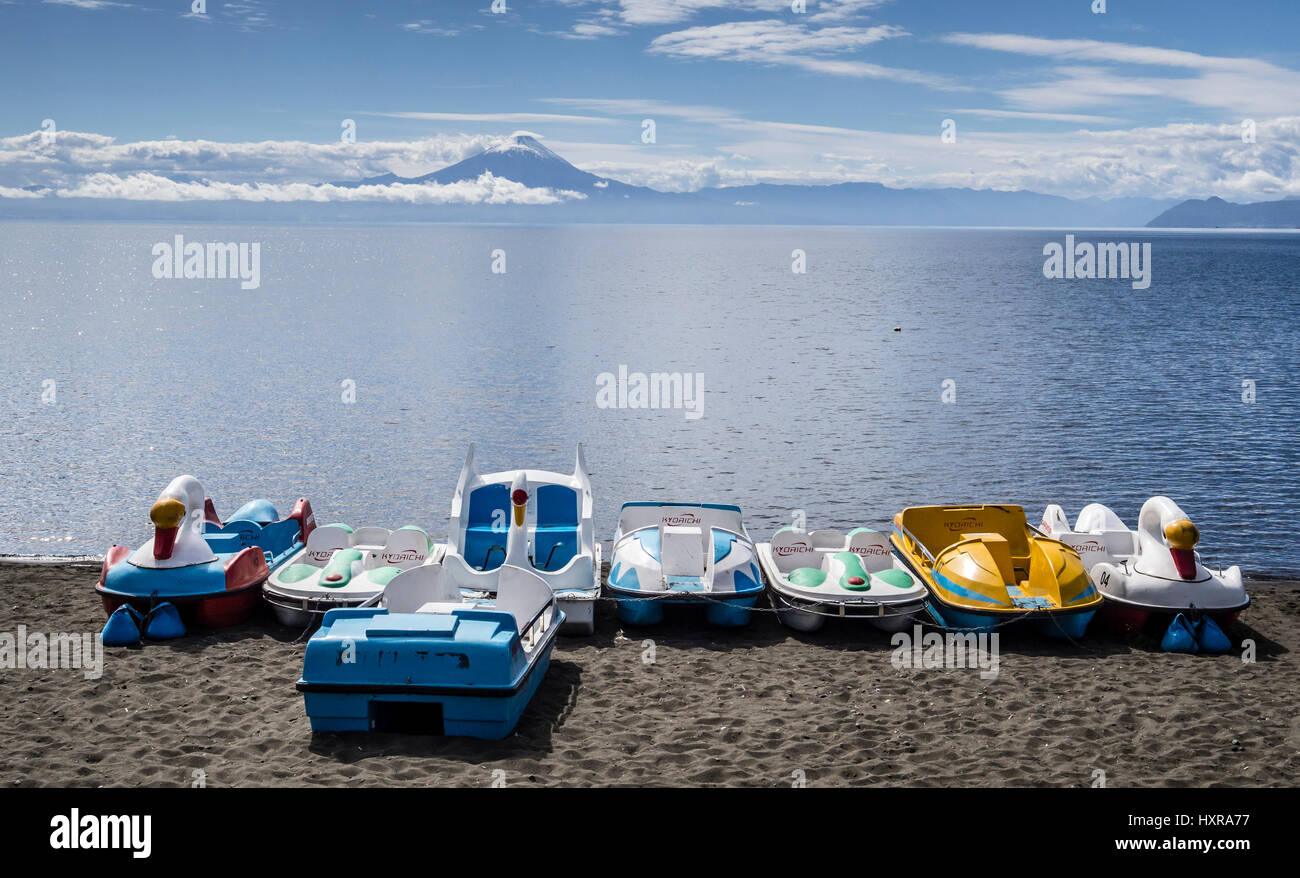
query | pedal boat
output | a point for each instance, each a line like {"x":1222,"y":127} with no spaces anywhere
{"x":828,"y":574}
{"x":342,"y":567}
{"x":428,"y":657}
{"x":683,"y":553}
{"x":1149,"y":575}
{"x":985,"y":567}
{"x":561,"y":544}
{"x":212,"y":572}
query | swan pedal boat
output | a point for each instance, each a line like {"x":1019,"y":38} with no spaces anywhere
{"x":342,"y":567}
{"x":553,"y":511}
{"x":985,"y":566}
{"x":212,"y":572}
{"x":829,"y":574}
{"x":683,"y":553}
{"x":428,"y":657}
{"x":1150,"y":574}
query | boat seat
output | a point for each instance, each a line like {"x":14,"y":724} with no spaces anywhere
{"x":405,"y":547}
{"x":256,"y":511}
{"x":370,"y":536}
{"x":792,"y":549}
{"x":555,"y":537}
{"x":411,"y":589}
{"x":872,"y":549}
{"x":1119,"y":542}
{"x":486,"y":527}
{"x":827,"y":539}
{"x":324,"y":542}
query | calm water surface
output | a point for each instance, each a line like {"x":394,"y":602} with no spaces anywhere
{"x":1065,"y":391}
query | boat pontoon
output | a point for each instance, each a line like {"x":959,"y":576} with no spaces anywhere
{"x":683,"y":553}
{"x":829,"y":574}
{"x":555,"y":512}
{"x":430,"y":659}
{"x":1153,"y":573}
{"x":342,"y":567}
{"x":211,"y":571}
{"x":985,"y":566}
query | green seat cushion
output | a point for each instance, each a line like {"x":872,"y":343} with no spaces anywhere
{"x":895,"y":577}
{"x":299,"y":572}
{"x":807,"y":577}
{"x":383,"y":575}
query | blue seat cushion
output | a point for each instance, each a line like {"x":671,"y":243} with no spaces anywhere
{"x":555,"y":538}
{"x":486,"y":527}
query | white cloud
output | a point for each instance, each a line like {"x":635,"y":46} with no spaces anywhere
{"x":1169,"y":161}
{"x":1241,"y":85}
{"x":520,"y":118}
{"x":772,"y":41}
{"x":487,"y":189}
{"x":87,"y":4}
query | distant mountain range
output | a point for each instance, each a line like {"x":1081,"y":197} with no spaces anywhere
{"x":523,"y":159}
{"x":1215,"y":213}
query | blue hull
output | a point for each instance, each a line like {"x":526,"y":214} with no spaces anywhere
{"x":729,"y":613}
{"x":1061,"y":626}
{"x":460,"y":673}
{"x":487,"y":717}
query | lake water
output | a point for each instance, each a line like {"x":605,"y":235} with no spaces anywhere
{"x":1066,"y":391}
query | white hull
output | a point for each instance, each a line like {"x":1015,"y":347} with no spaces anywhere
{"x":801,"y":615}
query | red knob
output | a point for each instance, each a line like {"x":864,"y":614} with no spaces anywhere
{"x":519,"y":497}
{"x":857,"y":580}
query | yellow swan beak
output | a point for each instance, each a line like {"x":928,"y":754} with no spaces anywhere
{"x":167,"y":512}
{"x":1182,"y":534}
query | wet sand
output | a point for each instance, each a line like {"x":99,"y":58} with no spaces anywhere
{"x":761,"y":706}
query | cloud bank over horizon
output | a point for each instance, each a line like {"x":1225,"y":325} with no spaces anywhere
{"x":1189,"y":160}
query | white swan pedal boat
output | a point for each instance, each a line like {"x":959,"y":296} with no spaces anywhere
{"x":1152,"y":573}
{"x":532,"y":519}
{"x":830,"y":574}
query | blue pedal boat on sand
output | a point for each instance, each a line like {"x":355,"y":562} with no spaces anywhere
{"x":212,"y":572}
{"x":683,"y":553}
{"x":430,"y":660}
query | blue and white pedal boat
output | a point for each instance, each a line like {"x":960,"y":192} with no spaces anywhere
{"x":683,"y":553}
{"x":553,"y":512}
{"x":430,"y":660}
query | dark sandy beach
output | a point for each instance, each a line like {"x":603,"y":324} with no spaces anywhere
{"x":756,"y":707}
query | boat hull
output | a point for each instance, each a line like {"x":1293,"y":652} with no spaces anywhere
{"x":806,"y":616}
{"x":222,"y":610}
{"x":579,"y":613}
{"x":1124,"y":617}
{"x":720,"y":610}
{"x":1059,"y":624}
{"x":462,"y":712}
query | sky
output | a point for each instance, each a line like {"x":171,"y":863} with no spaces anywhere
{"x":249,"y":99}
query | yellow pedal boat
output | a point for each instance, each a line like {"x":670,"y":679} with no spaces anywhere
{"x":985,"y":566}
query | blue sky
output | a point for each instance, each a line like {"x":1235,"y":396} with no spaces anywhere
{"x":1145,"y":99}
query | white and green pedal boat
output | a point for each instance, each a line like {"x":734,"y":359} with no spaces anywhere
{"x":343,"y":567}
{"x":828,"y":574}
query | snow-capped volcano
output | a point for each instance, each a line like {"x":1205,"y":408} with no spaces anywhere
{"x":523,"y":159}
